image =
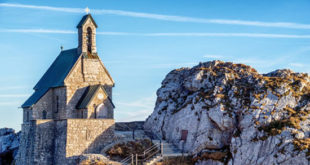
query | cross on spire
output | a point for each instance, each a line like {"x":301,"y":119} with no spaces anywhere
{"x":87,"y":10}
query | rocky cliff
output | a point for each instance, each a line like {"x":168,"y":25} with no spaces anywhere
{"x":234,"y":115}
{"x":9,"y":143}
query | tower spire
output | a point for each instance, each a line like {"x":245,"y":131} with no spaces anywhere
{"x":87,"y":34}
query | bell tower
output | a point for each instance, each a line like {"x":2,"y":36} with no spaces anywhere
{"x":87,"y":35}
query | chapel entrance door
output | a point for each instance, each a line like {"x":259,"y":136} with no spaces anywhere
{"x":102,"y":111}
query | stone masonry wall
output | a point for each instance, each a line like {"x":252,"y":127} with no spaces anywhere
{"x":25,"y":151}
{"x":44,"y":135}
{"x":45,"y":103}
{"x":37,"y":141}
{"x":48,"y":103}
{"x":60,"y":142}
{"x":47,"y":142}
{"x":88,"y":72}
{"x":60,"y":112}
{"x":88,"y":135}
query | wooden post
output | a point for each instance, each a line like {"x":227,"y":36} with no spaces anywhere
{"x":132,"y":159}
{"x":162,"y":148}
{"x":136,"y":159}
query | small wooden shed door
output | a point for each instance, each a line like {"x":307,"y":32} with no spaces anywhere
{"x":184,"y":134}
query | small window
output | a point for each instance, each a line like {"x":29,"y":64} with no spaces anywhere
{"x":95,"y":112}
{"x":89,"y":39}
{"x":57,"y":104}
{"x":44,"y":114}
{"x":27,"y":116}
{"x":88,"y":134}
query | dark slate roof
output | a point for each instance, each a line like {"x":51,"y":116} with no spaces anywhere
{"x":89,"y":94}
{"x":58,"y":71}
{"x":54,"y":76}
{"x":83,"y":20}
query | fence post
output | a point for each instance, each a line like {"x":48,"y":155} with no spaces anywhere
{"x":136,"y":159}
{"x":162,"y":148}
{"x":132,"y":159}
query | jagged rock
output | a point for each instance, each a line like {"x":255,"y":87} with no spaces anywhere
{"x":9,"y":143}
{"x":261,"y":119}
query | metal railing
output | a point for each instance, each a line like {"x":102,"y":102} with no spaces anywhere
{"x":157,"y":149}
{"x":138,"y":159}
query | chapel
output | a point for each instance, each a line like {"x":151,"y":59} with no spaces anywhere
{"x":70,"y":111}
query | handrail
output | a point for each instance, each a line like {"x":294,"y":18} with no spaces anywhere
{"x":154,"y":149}
{"x":150,"y":148}
{"x":147,"y":153}
{"x":126,"y":159}
{"x":151,"y":155}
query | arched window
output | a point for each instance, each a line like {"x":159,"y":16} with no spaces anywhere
{"x":57,"y":104}
{"x":44,"y":114}
{"x":89,"y":39}
{"x":27,"y":116}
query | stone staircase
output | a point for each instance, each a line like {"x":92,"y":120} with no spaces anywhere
{"x":167,"y":150}
{"x":160,"y":150}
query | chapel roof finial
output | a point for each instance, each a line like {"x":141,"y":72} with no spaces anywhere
{"x":87,"y":10}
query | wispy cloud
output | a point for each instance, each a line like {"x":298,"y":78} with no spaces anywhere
{"x":145,"y":102}
{"x":140,"y":115}
{"x":68,"y":10}
{"x":4,"y":88}
{"x":13,"y":95}
{"x":213,"y":56}
{"x":37,"y":31}
{"x":255,"y":35}
{"x":297,"y":64}
{"x":249,"y":35}
{"x":173,"y":65}
{"x":10,"y":103}
{"x":173,"y":18}
{"x":138,"y":109}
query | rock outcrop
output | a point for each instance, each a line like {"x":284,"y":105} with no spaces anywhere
{"x":9,"y":143}
{"x":234,"y":115}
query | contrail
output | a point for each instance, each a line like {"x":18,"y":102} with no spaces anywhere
{"x":171,"y":18}
{"x":252,"y":35}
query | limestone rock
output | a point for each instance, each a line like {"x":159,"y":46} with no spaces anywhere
{"x":9,"y":143}
{"x":259,"y":118}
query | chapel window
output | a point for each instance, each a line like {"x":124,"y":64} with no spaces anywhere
{"x":27,"y":116}
{"x":57,"y":104}
{"x":44,"y":114}
{"x":89,"y":39}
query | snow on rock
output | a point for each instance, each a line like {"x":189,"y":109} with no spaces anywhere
{"x":9,"y":143}
{"x":232,"y":109}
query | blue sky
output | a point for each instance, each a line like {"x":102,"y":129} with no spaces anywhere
{"x":141,"y":41}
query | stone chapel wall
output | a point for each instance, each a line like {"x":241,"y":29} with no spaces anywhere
{"x":86,"y":72}
{"x":25,"y":151}
{"x":48,"y":103}
{"x":88,"y":136}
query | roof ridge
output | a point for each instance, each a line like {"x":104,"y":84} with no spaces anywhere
{"x":83,"y":20}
